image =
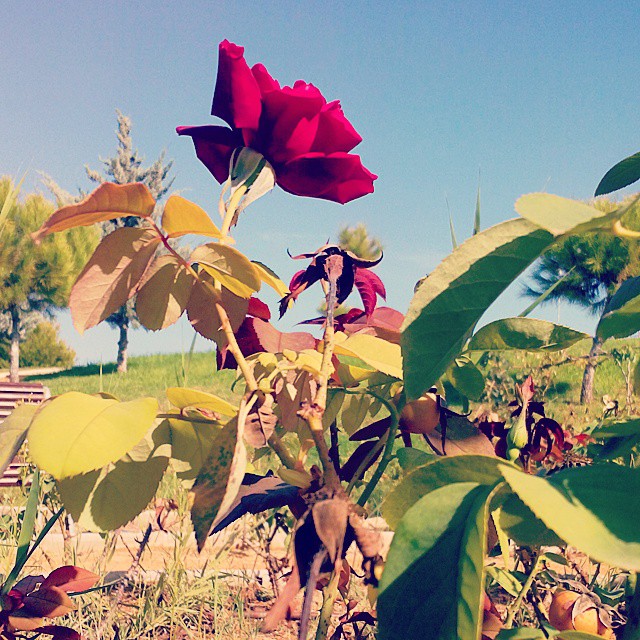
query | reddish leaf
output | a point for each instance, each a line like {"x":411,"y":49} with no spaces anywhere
{"x":201,"y":309}
{"x":257,"y":494}
{"x":27,"y":584}
{"x":374,"y":430}
{"x":258,"y":309}
{"x":108,"y":201}
{"x":22,"y":621}
{"x":112,"y":275}
{"x":257,"y":336}
{"x":71,"y":579}
{"x":369,"y":287}
{"x":350,"y":467}
{"x":49,"y":602}
{"x":59,"y":633}
{"x":260,"y":423}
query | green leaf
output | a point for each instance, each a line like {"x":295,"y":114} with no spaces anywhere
{"x":409,"y":458}
{"x":191,"y":443}
{"x":563,"y":215}
{"x":618,"y":429}
{"x":219,"y":479}
{"x":433,"y":577}
{"x":476,"y":218}
{"x":543,"y":296}
{"x":384,"y":356}
{"x":13,"y":431}
{"x":183,"y":398}
{"x":621,"y":175}
{"x":451,"y":300}
{"x":229,"y":267}
{"x":505,"y":579}
{"x":76,"y":433}
{"x":109,"y":498}
{"x":466,"y":378}
{"x":524,"y":633}
{"x":436,"y":474}
{"x":621,"y":316}
{"x":595,"y":509}
{"x":521,"y":525}
{"x":527,"y":334}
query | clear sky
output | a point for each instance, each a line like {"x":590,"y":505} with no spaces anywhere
{"x":529,"y":96}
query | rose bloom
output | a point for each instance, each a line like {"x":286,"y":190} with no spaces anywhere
{"x":305,"y":138}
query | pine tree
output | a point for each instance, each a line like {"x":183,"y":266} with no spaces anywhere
{"x":590,"y":269}
{"x":124,"y":167}
{"x":35,"y":279}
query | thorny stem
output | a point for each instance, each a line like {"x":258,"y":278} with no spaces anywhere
{"x":514,"y":607}
{"x":312,"y":413}
{"x":329,"y":595}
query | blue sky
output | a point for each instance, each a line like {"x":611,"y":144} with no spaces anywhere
{"x":528,"y":96}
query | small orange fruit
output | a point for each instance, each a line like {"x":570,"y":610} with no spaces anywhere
{"x":421,"y":416}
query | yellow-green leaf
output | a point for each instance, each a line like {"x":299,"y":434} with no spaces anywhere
{"x":376,"y":352}
{"x":183,"y":398}
{"x":76,"y":433}
{"x":107,"y":499}
{"x":219,"y":479}
{"x":270,"y":278}
{"x":182,"y":216}
{"x":165,"y":293}
{"x":13,"y":431}
{"x":112,"y":275}
{"x":561,"y":215}
{"x":229,"y":267}
{"x":191,"y":443}
{"x":108,"y":201}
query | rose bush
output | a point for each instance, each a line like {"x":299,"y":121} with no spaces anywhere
{"x":306,"y":139}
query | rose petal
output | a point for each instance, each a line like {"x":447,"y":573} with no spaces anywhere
{"x":237,"y":95}
{"x":264,"y":79}
{"x":214,"y":146}
{"x":335,"y":132}
{"x":340,"y":177}
{"x":283,"y":111}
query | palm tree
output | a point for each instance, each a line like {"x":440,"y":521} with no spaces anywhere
{"x":588,"y":270}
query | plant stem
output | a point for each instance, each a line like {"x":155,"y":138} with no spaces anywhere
{"x":231,"y":209}
{"x":514,"y":607}
{"x":329,"y":595}
{"x":387,"y":453}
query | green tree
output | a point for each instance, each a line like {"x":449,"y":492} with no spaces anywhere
{"x":358,"y":240}
{"x":587,"y":270}
{"x":35,"y":279}
{"x":122,"y":168}
{"x":42,"y":347}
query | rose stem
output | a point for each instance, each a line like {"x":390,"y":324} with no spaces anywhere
{"x":329,"y":595}
{"x":274,"y":440}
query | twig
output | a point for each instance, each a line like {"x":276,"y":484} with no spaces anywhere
{"x":517,"y":603}
{"x":314,"y":573}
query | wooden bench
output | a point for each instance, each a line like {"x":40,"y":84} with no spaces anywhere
{"x":12,"y":394}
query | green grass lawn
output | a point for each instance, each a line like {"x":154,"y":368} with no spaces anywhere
{"x":146,"y":376}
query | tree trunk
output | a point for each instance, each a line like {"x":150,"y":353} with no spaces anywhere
{"x":14,"y":350}
{"x":123,"y":344}
{"x":586,"y":392}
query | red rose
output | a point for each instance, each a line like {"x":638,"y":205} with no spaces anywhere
{"x":305,"y":139}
